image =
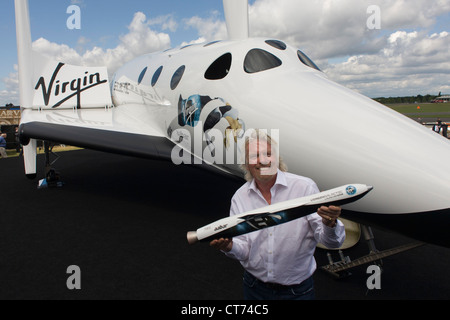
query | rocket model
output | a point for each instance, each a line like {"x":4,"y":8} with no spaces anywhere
{"x":278,"y":213}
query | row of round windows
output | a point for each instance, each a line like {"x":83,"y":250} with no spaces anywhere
{"x":256,"y":60}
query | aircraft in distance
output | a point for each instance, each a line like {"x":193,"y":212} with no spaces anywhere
{"x":193,"y":104}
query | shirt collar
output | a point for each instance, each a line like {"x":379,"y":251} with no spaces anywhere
{"x":281,"y":180}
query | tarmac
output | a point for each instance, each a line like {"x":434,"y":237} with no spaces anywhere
{"x":123,"y":222}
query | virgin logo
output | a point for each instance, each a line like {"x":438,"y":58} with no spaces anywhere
{"x":67,"y":89}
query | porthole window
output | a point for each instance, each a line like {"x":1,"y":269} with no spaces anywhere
{"x":219,"y":69}
{"x":141,"y":76}
{"x":258,"y":60}
{"x":176,"y":78}
{"x":211,"y":43}
{"x":306,"y":61}
{"x":186,"y":46}
{"x":156,"y":76}
{"x":277,"y":44}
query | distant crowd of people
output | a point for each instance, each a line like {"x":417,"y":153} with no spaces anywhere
{"x":4,"y":143}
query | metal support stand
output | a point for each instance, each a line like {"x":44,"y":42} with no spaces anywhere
{"x":341,"y":268}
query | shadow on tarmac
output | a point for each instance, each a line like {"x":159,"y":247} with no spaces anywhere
{"x":124,"y":220}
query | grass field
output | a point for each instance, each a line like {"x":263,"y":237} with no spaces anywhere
{"x":422,"y":108}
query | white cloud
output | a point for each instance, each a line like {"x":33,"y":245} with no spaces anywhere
{"x":412,"y":13}
{"x":322,"y":28}
{"x":399,"y":59}
{"x":166,"y":22}
{"x":412,"y":63}
{"x":139,"y":40}
{"x":408,"y":55}
{"x":208,"y":29}
{"x":11,"y":92}
{"x":78,"y":2}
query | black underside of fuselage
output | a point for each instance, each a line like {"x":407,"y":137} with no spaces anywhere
{"x":430,"y":227}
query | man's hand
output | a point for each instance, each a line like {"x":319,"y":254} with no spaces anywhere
{"x":329,"y":215}
{"x":222,"y":244}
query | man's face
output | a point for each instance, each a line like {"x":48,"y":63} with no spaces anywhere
{"x":262,"y":162}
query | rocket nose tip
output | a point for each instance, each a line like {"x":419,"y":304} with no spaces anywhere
{"x":192,"y":237}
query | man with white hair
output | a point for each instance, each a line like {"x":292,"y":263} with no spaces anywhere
{"x":279,"y":261}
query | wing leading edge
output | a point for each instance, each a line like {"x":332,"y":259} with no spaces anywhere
{"x":134,"y":130}
{"x":125,"y":143}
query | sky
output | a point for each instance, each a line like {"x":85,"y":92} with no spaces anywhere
{"x":380,"y":48}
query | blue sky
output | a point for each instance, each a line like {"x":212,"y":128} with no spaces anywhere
{"x":408,"y":55}
{"x":102,"y":21}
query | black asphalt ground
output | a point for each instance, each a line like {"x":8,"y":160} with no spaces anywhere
{"x":123,"y":222}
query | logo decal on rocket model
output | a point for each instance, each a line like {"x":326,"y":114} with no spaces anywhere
{"x":220,"y":227}
{"x":351,"y":190}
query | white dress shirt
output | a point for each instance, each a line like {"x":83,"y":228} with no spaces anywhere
{"x":283,"y":254}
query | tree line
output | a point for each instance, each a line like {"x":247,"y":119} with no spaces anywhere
{"x":408,"y":99}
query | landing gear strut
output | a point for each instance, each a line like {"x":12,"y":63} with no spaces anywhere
{"x":52,"y":177}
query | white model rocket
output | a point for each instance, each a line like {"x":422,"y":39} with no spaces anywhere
{"x":278,"y":213}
